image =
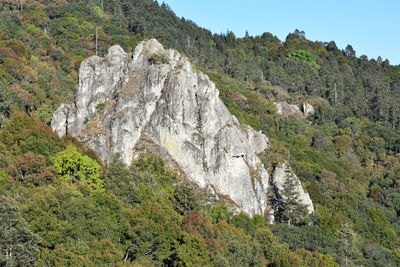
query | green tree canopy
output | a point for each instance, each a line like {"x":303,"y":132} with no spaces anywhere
{"x":18,"y":245}
{"x":73,"y":166}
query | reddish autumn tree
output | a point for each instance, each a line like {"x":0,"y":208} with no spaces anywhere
{"x":30,"y":168}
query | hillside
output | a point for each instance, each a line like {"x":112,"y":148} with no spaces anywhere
{"x":61,"y":205}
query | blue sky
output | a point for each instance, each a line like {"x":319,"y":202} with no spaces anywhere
{"x":372,"y":27}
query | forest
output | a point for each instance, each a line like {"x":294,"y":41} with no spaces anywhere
{"x":61,"y":206}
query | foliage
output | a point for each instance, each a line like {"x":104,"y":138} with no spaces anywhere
{"x":309,"y":237}
{"x":100,"y":107}
{"x":220,"y":212}
{"x":98,"y":10}
{"x":290,"y":208}
{"x":185,"y":199}
{"x":73,"y":166}
{"x":30,"y":168}
{"x":154,"y":232}
{"x":304,"y":258}
{"x":346,"y":154}
{"x":184,"y":252}
{"x":303,"y":56}
{"x":24,"y":134}
{"x":18,"y":245}
{"x":119,"y":181}
{"x":159,"y":58}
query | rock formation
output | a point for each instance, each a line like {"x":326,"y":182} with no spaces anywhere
{"x":278,"y":180}
{"x":287,"y":110}
{"x":155,"y":100}
{"x":308,"y":109}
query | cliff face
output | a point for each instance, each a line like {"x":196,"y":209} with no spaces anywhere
{"x":155,"y":100}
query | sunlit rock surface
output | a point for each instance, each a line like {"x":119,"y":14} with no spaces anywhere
{"x":154,"y":99}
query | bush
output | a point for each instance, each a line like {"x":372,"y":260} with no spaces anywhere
{"x":159,"y":58}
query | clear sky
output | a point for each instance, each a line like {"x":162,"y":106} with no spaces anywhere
{"x":372,"y":27}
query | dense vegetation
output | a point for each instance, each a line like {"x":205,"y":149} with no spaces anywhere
{"x":142,"y":215}
{"x":60,"y":206}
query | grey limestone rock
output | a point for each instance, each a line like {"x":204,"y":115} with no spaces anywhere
{"x":154,"y":99}
{"x":287,"y":110}
{"x":308,"y":109}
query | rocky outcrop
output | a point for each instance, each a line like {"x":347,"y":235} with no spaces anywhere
{"x":154,"y":99}
{"x":285,"y":172}
{"x":288,"y":110}
{"x":308,"y":109}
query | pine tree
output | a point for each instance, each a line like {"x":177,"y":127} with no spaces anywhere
{"x":290,"y":208}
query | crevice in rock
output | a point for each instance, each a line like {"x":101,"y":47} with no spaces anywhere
{"x":199,"y":128}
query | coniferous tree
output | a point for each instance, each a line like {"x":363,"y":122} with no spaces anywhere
{"x":290,"y":208}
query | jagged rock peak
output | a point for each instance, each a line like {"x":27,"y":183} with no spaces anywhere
{"x":155,"y":100}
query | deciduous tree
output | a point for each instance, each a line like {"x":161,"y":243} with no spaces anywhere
{"x":73,"y":166}
{"x":18,"y":245}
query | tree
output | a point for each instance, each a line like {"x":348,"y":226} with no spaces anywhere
{"x":25,"y":133}
{"x":154,"y":232}
{"x":303,"y":257}
{"x":220,"y":212}
{"x":319,"y":141}
{"x":18,"y":245}
{"x":331,"y":46}
{"x":300,"y":34}
{"x":191,"y":251}
{"x":290,"y":208}
{"x":185,"y":199}
{"x":73,"y":166}
{"x":347,"y":248}
{"x":296,"y":34}
{"x":30,"y":168}
{"x":244,"y":222}
{"x":349,"y":51}
{"x":119,"y":181}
